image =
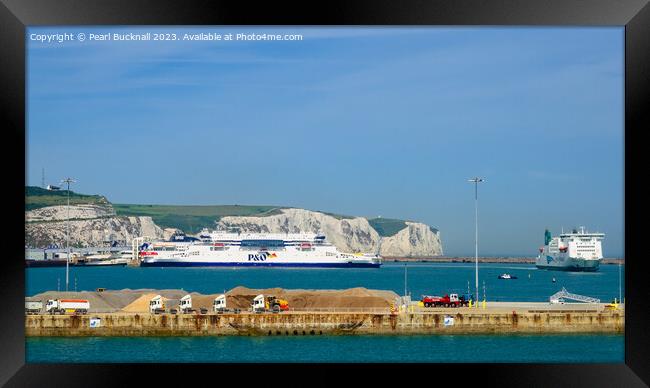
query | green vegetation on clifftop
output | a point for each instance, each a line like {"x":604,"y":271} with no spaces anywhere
{"x":191,"y":219}
{"x":36,"y":198}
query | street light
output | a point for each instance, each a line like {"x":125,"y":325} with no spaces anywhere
{"x":476,"y":181}
{"x":67,"y":237}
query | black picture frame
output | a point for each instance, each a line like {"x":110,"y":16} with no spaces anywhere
{"x":16,"y":15}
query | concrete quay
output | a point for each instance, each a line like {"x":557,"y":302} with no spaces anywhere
{"x":532,"y":318}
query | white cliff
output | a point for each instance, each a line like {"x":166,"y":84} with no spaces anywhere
{"x":352,"y":234}
{"x":416,"y":240}
{"x":347,"y":234}
{"x":90,"y":225}
{"x":76,"y":212}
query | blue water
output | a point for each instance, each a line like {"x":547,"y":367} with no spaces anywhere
{"x":422,"y":278}
{"x":436,"y":348}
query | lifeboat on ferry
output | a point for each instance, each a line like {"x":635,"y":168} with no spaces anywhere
{"x":306,"y":246}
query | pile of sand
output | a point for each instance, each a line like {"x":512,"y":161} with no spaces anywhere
{"x":242,"y":297}
{"x":203,"y":301}
{"x":140,"y":305}
{"x":106,"y":301}
{"x":137,"y":301}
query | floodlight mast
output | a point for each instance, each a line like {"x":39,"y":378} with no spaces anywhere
{"x":67,"y":234}
{"x":476,"y":181}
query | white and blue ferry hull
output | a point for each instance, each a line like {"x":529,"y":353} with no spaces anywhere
{"x":175,"y":263}
{"x":566,"y":263}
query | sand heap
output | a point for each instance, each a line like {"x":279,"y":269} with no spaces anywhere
{"x":203,"y":301}
{"x":106,"y":301}
{"x":141,"y":305}
{"x":242,"y":297}
{"x":170,"y":299}
{"x":137,"y":301}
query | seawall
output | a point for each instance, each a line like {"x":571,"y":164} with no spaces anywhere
{"x":461,"y":321}
{"x":492,"y":260}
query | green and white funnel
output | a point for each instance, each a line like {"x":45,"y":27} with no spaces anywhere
{"x":547,"y":237}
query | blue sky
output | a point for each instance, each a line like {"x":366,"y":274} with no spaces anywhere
{"x":357,"y":121}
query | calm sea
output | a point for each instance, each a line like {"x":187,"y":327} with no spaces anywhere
{"x":419,"y":278}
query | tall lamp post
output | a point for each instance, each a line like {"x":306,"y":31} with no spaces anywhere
{"x":67,"y":235}
{"x":476,"y":181}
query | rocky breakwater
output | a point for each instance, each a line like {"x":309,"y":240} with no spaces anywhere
{"x":349,"y":234}
{"x":90,"y":225}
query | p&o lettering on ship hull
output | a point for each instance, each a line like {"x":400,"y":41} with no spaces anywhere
{"x":257,"y":257}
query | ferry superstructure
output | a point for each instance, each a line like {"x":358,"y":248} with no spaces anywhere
{"x":251,"y":249}
{"x":576,"y":251}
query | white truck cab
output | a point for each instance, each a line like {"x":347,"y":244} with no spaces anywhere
{"x":185,"y":304}
{"x":156,"y":304}
{"x":219,"y":304}
{"x":51,"y":304}
{"x":258,"y":304}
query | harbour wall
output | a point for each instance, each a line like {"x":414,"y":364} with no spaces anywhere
{"x":320,"y":323}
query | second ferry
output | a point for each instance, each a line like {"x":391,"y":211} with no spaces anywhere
{"x":576,"y":251}
{"x":251,"y":249}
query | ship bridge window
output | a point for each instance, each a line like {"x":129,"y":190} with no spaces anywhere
{"x":262,"y":243}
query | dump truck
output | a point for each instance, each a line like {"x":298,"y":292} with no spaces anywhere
{"x":270,"y":303}
{"x":33,"y":306}
{"x":157,"y":305}
{"x":185,"y":305}
{"x":63,"y":306}
{"x":450,"y":300}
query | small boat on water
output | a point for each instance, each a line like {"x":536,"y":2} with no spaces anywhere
{"x":506,"y":276}
{"x":101,"y":259}
{"x":103,"y":262}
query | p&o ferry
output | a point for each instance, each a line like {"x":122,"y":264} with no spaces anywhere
{"x":251,"y":249}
